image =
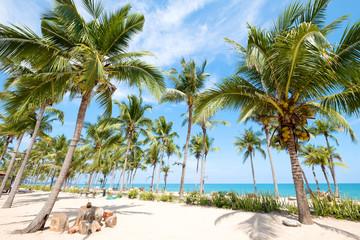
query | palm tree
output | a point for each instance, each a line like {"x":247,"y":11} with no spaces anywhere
{"x":248,"y":143}
{"x":293,"y":71}
{"x":208,"y":148}
{"x":204,"y":121}
{"x":186,"y":87}
{"x":196,"y":148}
{"x":152,"y":158}
{"x":326,"y":128}
{"x":170,"y":149}
{"x":132,"y":120}
{"x":163,"y":131}
{"x":89,"y":55}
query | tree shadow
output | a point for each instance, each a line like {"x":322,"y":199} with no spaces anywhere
{"x":222,"y":217}
{"x":339,"y":231}
{"x":260,"y":226}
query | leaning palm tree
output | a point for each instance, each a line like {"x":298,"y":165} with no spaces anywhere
{"x":186,"y":87}
{"x":249,"y":142}
{"x":327,"y":128}
{"x":292,"y":71}
{"x":163,"y":131}
{"x":132,"y":119}
{"x":87,"y":56}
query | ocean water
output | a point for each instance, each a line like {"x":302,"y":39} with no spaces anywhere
{"x":349,"y":190}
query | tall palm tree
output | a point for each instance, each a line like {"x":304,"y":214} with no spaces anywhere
{"x":186,"y":86}
{"x":132,"y":119}
{"x":293,"y":71}
{"x":89,"y":55}
{"x":249,"y":142}
{"x":163,"y":131}
{"x":327,"y":128}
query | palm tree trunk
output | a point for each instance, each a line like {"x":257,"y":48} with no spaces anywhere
{"x":332,"y":168}
{"x":77,"y":180}
{"x":253,"y":172}
{"x":271,"y":161}
{"x":52,"y":178}
{"x":133,"y":177}
{"x":307,"y":183}
{"x":40,"y":220}
{"x":303,"y":207}
{"x":190,"y":109}
{"x":11,"y":164}
{"x":204,"y":173}
{"x":126,"y":157}
{"x":48,"y":176}
{"x":153,"y":178}
{"x":165,"y":180}
{"x":117,"y":187}
{"x":8,"y":140}
{"x":127,"y":179}
{"x":89,"y":182}
{"x":202,"y":162}
{"x":197,"y":170}
{"x":317,"y":183}
{"x":326,"y":178}
{"x":161,"y":161}
{"x":113,"y":176}
{"x":19,"y":175}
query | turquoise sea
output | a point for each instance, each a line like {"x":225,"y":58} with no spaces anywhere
{"x":351,"y":190}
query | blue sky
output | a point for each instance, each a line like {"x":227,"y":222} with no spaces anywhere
{"x":195,"y":29}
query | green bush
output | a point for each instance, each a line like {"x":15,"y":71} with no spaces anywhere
{"x":338,"y":208}
{"x":119,"y":195}
{"x":167,"y":198}
{"x":193,"y":198}
{"x":147,"y":196}
{"x":133,"y":193}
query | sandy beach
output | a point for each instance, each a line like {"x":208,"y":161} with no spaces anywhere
{"x":158,"y":220}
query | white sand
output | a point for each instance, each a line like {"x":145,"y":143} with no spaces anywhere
{"x":157,"y":220}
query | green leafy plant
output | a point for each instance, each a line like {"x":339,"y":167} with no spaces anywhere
{"x":133,"y":193}
{"x":147,"y":196}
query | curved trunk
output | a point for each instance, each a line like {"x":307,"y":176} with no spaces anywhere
{"x":8,"y":140}
{"x":153,"y":177}
{"x":48,"y":176}
{"x":317,"y":183}
{"x":271,"y":161}
{"x":126,"y":157}
{"x":11,"y":164}
{"x":19,"y":175}
{"x":303,"y":207}
{"x":253,"y":172}
{"x":307,"y":183}
{"x":202,"y":162}
{"x":113,"y":176}
{"x":186,"y":150}
{"x":133,"y":177}
{"x":332,"y":168}
{"x":326,"y":178}
{"x":40,"y":220}
{"x":161,"y":161}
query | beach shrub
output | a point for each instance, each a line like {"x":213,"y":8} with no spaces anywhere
{"x":338,"y":208}
{"x":147,"y":196}
{"x":167,"y":198}
{"x":193,"y":198}
{"x":119,"y":195}
{"x":133,"y":193}
{"x":221,"y":200}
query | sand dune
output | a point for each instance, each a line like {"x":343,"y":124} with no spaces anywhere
{"x":157,"y":220}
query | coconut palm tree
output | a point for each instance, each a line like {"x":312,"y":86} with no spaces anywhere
{"x":170,"y":149}
{"x":163,"y":132}
{"x":249,"y":142}
{"x":327,"y":128}
{"x":132,"y":119}
{"x":293,"y":71}
{"x":88,"y":54}
{"x":208,"y":148}
{"x":186,"y":87}
{"x":153,"y":158}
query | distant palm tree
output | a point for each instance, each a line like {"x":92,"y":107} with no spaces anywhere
{"x":208,"y":148}
{"x":170,"y":149}
{"x":132,"y":119}
{"x":249,"y":142}
{"x":326,"y":128}
{"x":153,"y":156}
{"x":186,"y":87}
{"x":163,"y":131}
{"x":196,"y":147}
